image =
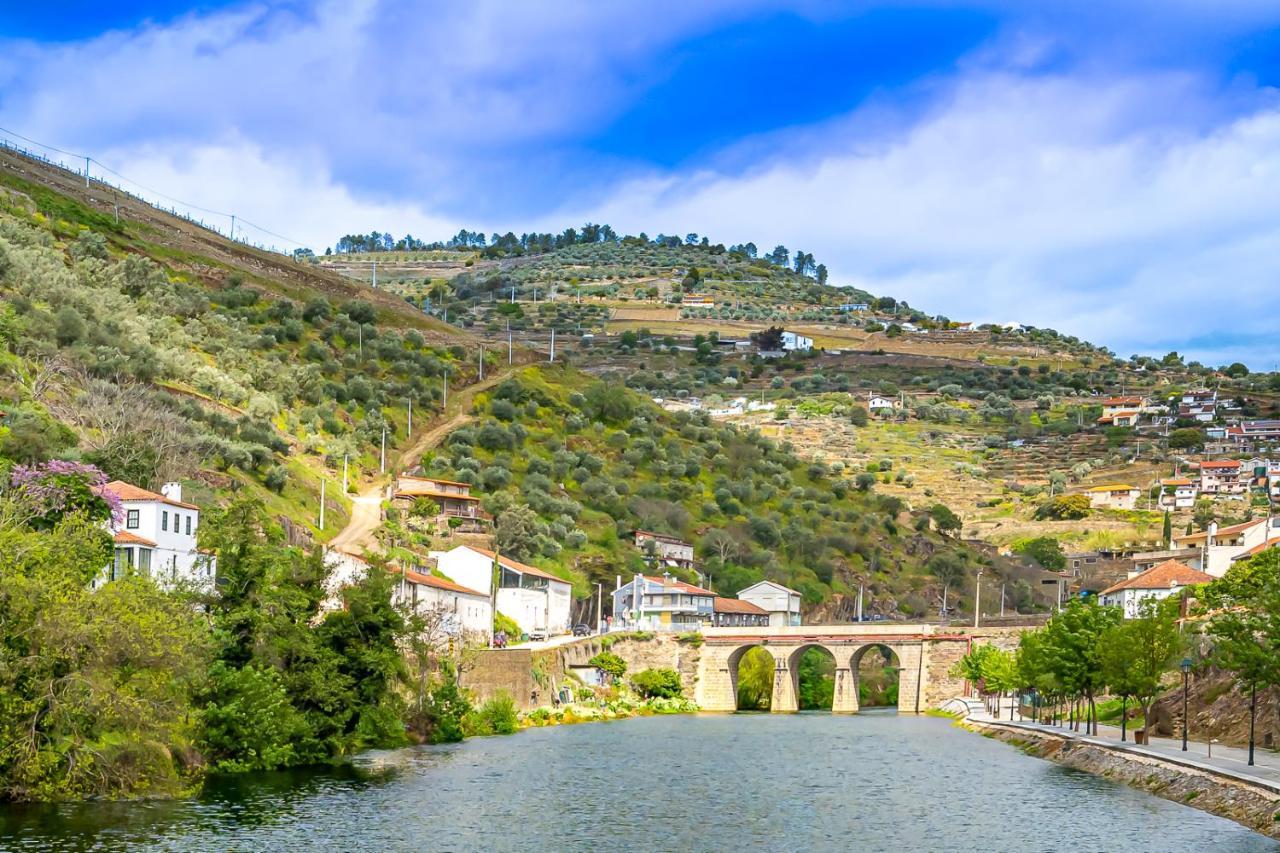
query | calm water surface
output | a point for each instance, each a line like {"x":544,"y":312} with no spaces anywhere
{"x":746,"y":782}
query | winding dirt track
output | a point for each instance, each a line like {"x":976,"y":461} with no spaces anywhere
{"x":366,"y":507}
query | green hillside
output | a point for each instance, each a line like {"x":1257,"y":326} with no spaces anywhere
{"x":123,"y":346}
{"x":570,"y":466}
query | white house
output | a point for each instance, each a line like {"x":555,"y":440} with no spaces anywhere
{"x":670,"y":550}
{"x":157,"y":537}
{"x":538,"y":601}
{"x":1168,"y":578}
{"x":780,"y":602}
{"x":878,"y":403}
{"x":1221,"y":477}
{"x":792,"y":341}
{"x":463,"y":612}
{"x":1114,"y":496}
{"x":1178,"y":493}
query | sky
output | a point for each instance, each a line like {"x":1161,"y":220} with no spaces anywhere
{"x":1110,"y":170}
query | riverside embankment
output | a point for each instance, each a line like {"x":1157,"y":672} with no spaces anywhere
{"x":1246,"y":796}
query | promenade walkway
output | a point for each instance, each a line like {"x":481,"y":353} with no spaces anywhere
{"x":1231,"y":761}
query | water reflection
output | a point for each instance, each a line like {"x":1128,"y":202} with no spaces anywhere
{"x":806,"y":781}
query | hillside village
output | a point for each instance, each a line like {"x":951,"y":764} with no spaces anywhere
{"x":448,"y":448}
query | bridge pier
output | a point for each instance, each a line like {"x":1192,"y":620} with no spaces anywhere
{"x":784,"y":699}
{"x":846,"y":691}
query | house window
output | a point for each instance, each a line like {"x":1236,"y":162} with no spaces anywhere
{"x":164,"y":520}
{"x":131,"y":519}
{"x":122,"y":563}
{"x":189,"y":525}
{"x":144,"y":561}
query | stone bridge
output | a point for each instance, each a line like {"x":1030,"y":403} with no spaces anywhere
{"x":925,"y":656}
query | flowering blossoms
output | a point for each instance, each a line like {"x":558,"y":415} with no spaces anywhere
{"x":53,"y":489}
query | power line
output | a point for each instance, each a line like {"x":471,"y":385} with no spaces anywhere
{"x":154,"y":192}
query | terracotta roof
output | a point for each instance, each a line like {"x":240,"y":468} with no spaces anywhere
{"x":433,"y":480}
{"x":1258,"y":549}
{"x":124,"y":537}
{"x":1114,"y":487}
{"x":1178,"y":481}
{"x":737,"y":605}
{"x":1164,"y":576}
{"x":681,"y":585}
{"x":1221,"y":463}
{"x":1222,"y":531}
{"x":440,"y":583}
{"x":129,"y":492}
{"x":426,"y":493}
{"x":516,"y":566}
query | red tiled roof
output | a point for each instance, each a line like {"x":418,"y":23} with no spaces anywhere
{"x":439,"y":583}
{"x":1163,"y":576}
{"x":124,"y":537}
{"x":1222,"y":531}
{"x":1179,"y":481}
{"x":426,"y":493}
{"x":680,"y":585}
{"x":129,"y":492}
{"x":516,"y":566}
{"x":1259,"y":548}
{"x":433,"y":480}
{"x":737,"y":605}
{"x":1221,"y":463}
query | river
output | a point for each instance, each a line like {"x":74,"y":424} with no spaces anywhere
{"x":871,"y":782}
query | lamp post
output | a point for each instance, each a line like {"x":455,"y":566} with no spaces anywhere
{"x":1253,"y":707}
{"x":977,"y":598}
{"x":1186,"y":673}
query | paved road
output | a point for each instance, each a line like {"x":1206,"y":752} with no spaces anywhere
{"x":1232,"y":760}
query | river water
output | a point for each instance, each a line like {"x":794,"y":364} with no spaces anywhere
{"x":871,"y":782}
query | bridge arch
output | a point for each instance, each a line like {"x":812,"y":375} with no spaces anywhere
{"x":795,"y":672}
{"x":862,"y":670}
{"x":733,"y":670}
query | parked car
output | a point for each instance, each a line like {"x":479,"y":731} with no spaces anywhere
{"x":582,"y":630}
{"x":537,"y":635}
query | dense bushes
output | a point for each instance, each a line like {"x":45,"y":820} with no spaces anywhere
{"x":657,"y":683}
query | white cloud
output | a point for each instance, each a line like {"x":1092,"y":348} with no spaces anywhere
{"x":1039,"y":200}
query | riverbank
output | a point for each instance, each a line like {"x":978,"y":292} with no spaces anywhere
{"x":618,"y":709}
{"x":1253,"y":802}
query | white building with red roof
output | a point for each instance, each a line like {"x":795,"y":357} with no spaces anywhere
{"x":1219,"y":546}
{"x":780,"y":602}
{"x":538,"y":601}
{"x":1221,"y":477}
{"x":156,"y":537}
{"x":456,"y":610}
{"x":1157,"y":583}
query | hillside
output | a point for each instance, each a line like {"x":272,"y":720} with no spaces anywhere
{"x":159,"y":351}
{"x":571,"y":466}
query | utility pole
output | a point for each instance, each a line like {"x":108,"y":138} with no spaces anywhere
{"x":446,"y":389}
{"x":1002,"y":600}
{"x":323,"y":483}
{"x":977,"y":598}
{"x":510,"y":353}
{"x":384,"y":449}
{"x":481,"y":364}
{"x":553,"y":344}
{"x":233,"y":226}
{"x":410,"y":435}
{"x":86,"y":173}
{"x":344,"y":473}
{"x":859,"y":602}
{"x":375,"y":275}
{"x":513,"y":298}
{"x":599,"y":606}
{"x":360,"y":339}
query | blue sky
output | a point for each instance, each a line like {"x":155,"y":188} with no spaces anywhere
{"x":1110,"y":170}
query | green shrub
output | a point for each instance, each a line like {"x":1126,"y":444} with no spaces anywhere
{"x":664,"y":683}
{"x":610,"y":664}
{"x":495,"y":717}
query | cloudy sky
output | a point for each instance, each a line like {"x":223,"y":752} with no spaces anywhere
{"x":1111,"y":170}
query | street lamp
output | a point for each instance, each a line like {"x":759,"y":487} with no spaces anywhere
{"x":977,"y":598}
{"x":1253,"y":707}
{"x":1186,"y":673}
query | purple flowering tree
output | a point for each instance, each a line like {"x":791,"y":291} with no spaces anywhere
{"x":51,"y":490}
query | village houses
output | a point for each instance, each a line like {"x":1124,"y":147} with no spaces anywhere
{"x":668,"y":550}
{"x":1122,"y":411}
{"x":1178,"y":493}
{"x":461,"y":612}
{"x":538,"y":601}
{"x":780,"y":602}
{"x":453,"y":500}
{"x":1221,"y":477}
